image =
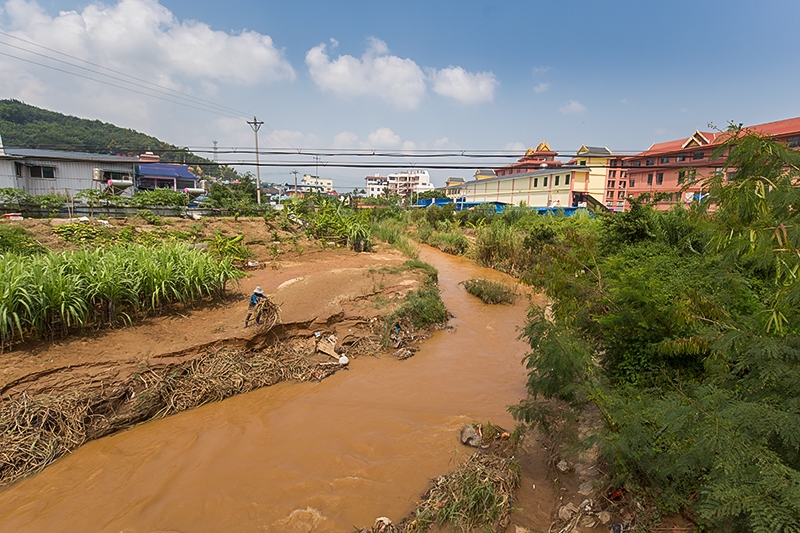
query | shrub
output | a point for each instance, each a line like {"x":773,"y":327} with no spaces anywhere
{"x":491,"y":292}
{"x":17,"y":240}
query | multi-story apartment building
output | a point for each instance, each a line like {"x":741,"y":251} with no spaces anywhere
{"x":607,"y":178}
{"x":376,"y":185}
{"x":666,"y":167}
{"x":326,"y":184}
{"x":403,"y":183}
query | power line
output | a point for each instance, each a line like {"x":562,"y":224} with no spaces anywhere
{"x":139,"y":82}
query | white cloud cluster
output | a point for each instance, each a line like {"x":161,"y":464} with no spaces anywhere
{"x":398,"y":81}
{"x":572,"y":107}
{"x":145,"y":39}
{"x":467,"y":88}
{"x":382,"y":138}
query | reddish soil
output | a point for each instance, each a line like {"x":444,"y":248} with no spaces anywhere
{"x":332,"y":290}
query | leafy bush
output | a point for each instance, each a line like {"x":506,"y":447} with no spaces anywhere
{"x":159,"y":198}
{"x":490,"y":292}
{"x":451,"y":243}
{"x":684,"y":329}
{"x":421,"y":309}
{"x":17,"y":240}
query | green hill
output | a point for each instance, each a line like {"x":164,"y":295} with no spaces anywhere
{"x":26,"y":126}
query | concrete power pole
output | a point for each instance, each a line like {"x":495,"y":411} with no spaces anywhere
{"x":295,"y":182}
{"x":256,"y":125}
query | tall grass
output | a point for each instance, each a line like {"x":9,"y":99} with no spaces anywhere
{"x":49,"y":295}
{"x":490,"y":292}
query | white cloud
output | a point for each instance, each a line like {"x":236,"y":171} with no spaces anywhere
{"x":515,"y":147}
{"x":572,"y":107}
{"x":345,"y":139}
{"x":382,"y":138}
{"x":444,"y":142}
{"x":409,"y":145}
{"x":463,"y":86}
{"x":400,"y":82}
{"x":144,"y":38}
{"x":141,"y":38}
{"x":542,"y":87}
{"x":540,"y":70}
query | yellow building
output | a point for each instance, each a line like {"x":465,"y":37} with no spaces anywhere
{"x":607,"y":178}
{"x":549,"y":187}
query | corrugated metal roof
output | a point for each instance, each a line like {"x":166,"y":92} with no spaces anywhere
{"x":67,"y":156}
{"x":166,"y":170}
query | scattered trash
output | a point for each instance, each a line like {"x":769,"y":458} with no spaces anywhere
{"x":14,"y":216}
{"x":563,"y":466}
{"x":604,"y":517}
{"x":252,"y":264}
{"x":343,"y":360}
{"x":470,"y":436}
{"x":566,"y":512}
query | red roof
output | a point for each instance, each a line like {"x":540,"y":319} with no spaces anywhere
{"x":777,"y":128}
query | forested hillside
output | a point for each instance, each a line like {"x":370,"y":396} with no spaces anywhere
{"x":26,"y":126}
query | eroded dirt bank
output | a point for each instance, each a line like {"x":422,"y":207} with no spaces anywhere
{"x":317,"y":456}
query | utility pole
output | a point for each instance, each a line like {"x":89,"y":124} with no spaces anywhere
{"x":295,"y":182}
{"x":215,"y":151}
{"x":256,"y":125}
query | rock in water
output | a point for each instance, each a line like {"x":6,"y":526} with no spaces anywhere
{"x":470,"y":436}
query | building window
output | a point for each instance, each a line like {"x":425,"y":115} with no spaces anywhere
{"x":665,"y":159}
{"x":611,"y":184}
{"x":621,"y":184}
{"x":544,"y":182}
{"x":48,"y":173}
{"x":659,"y":178}
{"x":698,"y":155}
{"x":612,"y":174}
{"x":535,"y":182}
{"x":621,"y":194}
{"x":610,"y":194}
{"x":631,"y":183}
{"x":791,"y":142}
{"x":583,"y":163}
{"x":614,"y":162}
{"x":636,"y":163}
{"x":730,"y":176}
{"x":649,"y":179}
{"x":650,"y":161}
{"x":556,"y":181}
{"x":566,"y":179}
{"x":681,"y":176}
{"x":18,"y":169}
{"x":680,"y":157}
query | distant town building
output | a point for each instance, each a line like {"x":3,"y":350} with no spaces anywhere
{"x":607,"y":178}
{"x":552,"y":186}
{"x":326,"y":184}
{"x":403,"y":183}
{"x":667,"y":167}
{"x":534,"y":159}
{"x":453,"y":187}
{"x":484,"y":174}
{"x":407,"y":182}
{"x":376,"y":185}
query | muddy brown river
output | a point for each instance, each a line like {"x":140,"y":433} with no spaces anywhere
{"x":302,"y":457}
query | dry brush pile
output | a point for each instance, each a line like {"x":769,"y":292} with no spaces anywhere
{"x":34,"y":432}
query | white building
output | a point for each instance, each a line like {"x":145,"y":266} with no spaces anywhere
{"x":376,"y":185}
{"x":308,"y":179}
{"x":53,"y":171}
{"x":407,"y":182}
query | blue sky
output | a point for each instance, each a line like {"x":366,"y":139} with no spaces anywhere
{"x":434,"y":75}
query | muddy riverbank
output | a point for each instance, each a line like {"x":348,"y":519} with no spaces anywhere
{"x":319,"y":456}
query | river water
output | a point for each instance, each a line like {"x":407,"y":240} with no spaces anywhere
{"x":302,"y":457}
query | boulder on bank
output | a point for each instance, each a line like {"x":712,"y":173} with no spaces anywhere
{"x":470,"y":436}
